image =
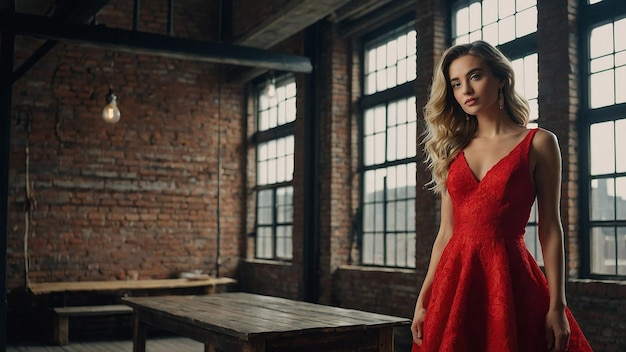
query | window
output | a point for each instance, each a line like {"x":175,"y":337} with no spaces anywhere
{"x":389,"y":146}
{"x":276,"y":112}
{"x":511,"y":25}
{"x":603,"y":161}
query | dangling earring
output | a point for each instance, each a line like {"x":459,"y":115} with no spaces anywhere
{"x":500,"y":98}
{"x":466,"y":117}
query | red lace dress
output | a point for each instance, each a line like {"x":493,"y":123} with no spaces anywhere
{"x":488,"y":293}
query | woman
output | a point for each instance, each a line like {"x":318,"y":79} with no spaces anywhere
{"x":483,"y":290}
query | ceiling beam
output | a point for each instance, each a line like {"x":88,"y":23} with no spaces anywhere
{"x":293,"y":18}
{"x":150,"y":44}
{"x":357,"y":9}
{"x":296,"y":16}
{"x":393,"y":10}
{"x":79,"y":14}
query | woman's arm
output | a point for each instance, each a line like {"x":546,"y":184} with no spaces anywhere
{"x":443,"y":236}
{"x":547,"y":176}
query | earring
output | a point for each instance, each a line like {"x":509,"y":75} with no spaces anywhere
{"x":501,"y":99}
{"x":466,"y":117}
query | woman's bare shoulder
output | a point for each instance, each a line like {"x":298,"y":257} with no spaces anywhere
{"x":544,"y":139}
{"x":545,"y":142}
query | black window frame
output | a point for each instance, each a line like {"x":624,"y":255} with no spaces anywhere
{"x":591,"y":16}
{"x":404,"y":90}
{"x":259,"y":137}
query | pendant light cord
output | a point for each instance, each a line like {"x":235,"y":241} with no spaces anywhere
{"x":218,"y":259}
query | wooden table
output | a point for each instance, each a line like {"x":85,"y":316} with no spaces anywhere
{"x":247,"y":322}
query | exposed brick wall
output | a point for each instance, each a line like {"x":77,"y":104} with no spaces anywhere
{"x":558,"y":106}
{"x":336,"y":159}
{"x":600,"y":310}
{"x":431,"y":42}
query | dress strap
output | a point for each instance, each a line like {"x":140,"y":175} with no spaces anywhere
{"x":527,"y":140}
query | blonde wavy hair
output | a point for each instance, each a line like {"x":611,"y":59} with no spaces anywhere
{"x":448,"y":130}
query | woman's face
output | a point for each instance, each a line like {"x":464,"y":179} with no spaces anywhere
{"x":474,"y":86}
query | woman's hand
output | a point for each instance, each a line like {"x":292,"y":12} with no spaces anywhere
{"x":417,"y":326}
{"x":557,"y":330}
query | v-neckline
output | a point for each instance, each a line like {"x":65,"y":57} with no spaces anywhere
{"x":467,"y":166}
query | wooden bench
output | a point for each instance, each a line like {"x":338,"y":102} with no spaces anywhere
{"x":63,"y":314}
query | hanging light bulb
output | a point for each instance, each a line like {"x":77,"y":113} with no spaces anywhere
{"x":111,"y":113}
{"x":270,"y":89}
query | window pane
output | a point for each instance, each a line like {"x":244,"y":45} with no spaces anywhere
{"x":621,"y":250}
{"x":620,"y":145}
{"x":264,"y":242}
{"x":368,"y":217}
{"x":475,"y":22}
{"x":526,"y":22}
{"x":401,"y":252}
{"x":524,"y":4}
{"x":602,"y":199}
{"x":381,"y":177}
{"x":379,"y":217}
{"x":602,"y":145}
{"x":506,"y":8}
{"x":261,"y":173}
{"x":620,"y":88}
{"x":620,"y":38}
{"x":602,"y":89}
{"x":620,"y":198}
{"x":410,"y":247}
{"x":379,"y":248}
{"x":490,"y":11}
{"x":507,"y":30}
{"x":411,"y":44}
{"x":284,"y":207}
{"x":601,"y":41}
{"x":283,"y":242}
{"x":462,"y":21}
{"x":603,"y":249}
{"x":391,"y":217}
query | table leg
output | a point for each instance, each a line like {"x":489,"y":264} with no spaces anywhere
{"x":139,"y":334}
{"x":256,"y":345}
{"x":208,"y":347}
{"x":385,"y":339}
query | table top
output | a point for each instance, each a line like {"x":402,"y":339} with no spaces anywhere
{"x":246,"y":316}
{"x":49,"y":287}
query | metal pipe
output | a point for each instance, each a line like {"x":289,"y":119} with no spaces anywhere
{"x":136,"y":13}
{"x":170,"y":17}
{"x":7,"y":57}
